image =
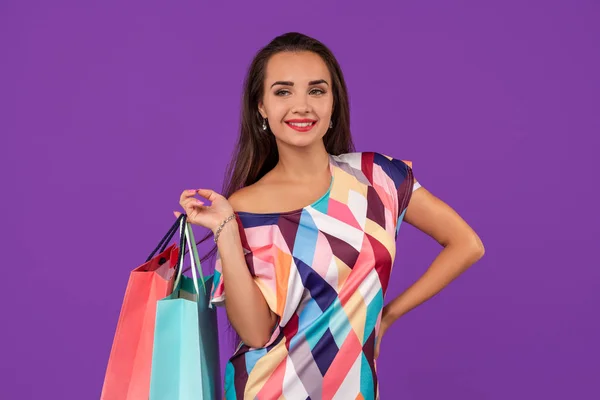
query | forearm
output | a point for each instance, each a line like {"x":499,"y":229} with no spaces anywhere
{"x":246,"y":307}
{"x":453,"y":260}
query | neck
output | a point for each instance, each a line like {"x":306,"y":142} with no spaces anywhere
{"x":303,"y":164}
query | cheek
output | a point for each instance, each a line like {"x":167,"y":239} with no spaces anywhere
{"x":324,"y":108}
{"x":276,"y":111}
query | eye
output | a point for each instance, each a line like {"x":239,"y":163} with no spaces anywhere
{"x":317,"y":91}
{"x":282,"y":92}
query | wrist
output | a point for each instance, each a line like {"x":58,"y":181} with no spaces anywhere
{"x":226,"y":227}
{"x":387,"y":317}
{"x":225,"y":224}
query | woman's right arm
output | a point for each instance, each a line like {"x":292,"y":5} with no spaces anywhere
{"x":246,"y":307}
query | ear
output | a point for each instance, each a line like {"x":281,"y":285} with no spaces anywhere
{"x":261,"y":109}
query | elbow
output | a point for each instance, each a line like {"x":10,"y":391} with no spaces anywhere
{"x":253,"y":337}
{"x":470,"y":247}
{"x":476,"y":249}
{"x":256,"y":341}
{"x":258,"y":337}
{"x":249,"y":329}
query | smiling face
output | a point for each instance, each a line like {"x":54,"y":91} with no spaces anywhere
{"x":298,"y":100}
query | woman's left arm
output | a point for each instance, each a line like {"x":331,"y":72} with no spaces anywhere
{"x":462,"y":247}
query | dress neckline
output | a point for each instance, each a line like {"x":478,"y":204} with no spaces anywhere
{"x":299,"y":210}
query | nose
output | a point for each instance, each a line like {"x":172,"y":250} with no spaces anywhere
{"x":301,"y":105}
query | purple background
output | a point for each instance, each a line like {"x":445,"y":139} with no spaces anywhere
{"x":109,"y":110}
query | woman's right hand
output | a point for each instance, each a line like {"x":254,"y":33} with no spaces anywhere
{"x":206,"y":216}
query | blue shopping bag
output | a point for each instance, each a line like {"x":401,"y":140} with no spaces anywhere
{"x":185,"y":356}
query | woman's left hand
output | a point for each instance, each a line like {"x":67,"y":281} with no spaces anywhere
{"x":383,"y":327}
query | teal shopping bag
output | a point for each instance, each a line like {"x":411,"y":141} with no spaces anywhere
{"x":185,"y":356}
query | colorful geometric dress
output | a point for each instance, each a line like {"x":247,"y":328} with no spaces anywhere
{"x":324,"y":270}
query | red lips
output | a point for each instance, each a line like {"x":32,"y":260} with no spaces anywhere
{"x":307,"y":124}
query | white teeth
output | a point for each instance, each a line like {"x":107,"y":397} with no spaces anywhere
{"x":301,"y":125}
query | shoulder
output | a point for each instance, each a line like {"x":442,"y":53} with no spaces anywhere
{"x":247,"y":195}
{"x":253,"y":197}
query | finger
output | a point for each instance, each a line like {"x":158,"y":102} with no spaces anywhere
{"x":209,"y":194}
{"x":186,"y":194}
{"x":192,"y":202}
{"x":194,"y":210}
{"x":195,"y":213}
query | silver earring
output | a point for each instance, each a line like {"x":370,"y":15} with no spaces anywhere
{"x":264,"y":124}
{"x":330,"y":124}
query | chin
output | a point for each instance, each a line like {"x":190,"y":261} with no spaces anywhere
{"x":299,"y":141}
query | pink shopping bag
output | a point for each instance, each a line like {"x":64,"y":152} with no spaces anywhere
{"x":129,"y":365}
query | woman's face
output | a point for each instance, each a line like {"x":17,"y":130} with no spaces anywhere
{"x":297,"y":101}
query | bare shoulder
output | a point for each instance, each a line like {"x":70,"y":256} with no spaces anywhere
{"x":248,"y":197}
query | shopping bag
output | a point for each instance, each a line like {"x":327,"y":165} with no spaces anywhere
{"x":127,"y":374}
{"x":185,"y":358}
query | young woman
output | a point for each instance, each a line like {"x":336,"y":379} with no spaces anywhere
{"x":305,"y":233}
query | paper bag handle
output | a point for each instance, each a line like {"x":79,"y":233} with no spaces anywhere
{"x":187,"y":235}
{"x":167,"y":238}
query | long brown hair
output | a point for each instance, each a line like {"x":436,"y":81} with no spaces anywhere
{"x":255,"y":152}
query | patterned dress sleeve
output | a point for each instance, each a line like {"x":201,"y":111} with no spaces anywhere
{"x":397,"y":179}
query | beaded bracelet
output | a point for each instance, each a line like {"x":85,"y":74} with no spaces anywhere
{"x":220,"y":228}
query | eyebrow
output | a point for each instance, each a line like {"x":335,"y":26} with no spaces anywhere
{"x":289,"y":83}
